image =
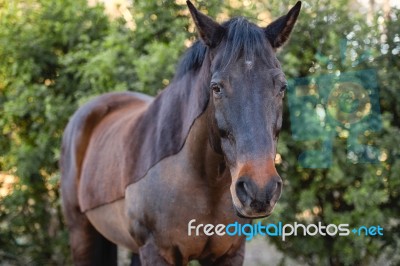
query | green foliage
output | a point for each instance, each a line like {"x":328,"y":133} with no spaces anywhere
{"x":330,"y":39}
{"x":36,"y":96}
{"x":57,"y":54}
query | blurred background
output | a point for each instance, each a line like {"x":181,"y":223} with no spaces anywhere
{"x":338,"y":151}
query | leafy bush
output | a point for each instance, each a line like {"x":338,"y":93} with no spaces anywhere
{"x":331,"y":39}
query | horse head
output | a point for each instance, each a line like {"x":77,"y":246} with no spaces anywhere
{"x":246,"y":91}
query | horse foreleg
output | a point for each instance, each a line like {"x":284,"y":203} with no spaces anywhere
{"x":135,"y":260}
{"x":149,"y":255}
{"x":234,"y":258}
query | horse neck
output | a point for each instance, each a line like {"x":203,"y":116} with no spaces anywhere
{"x":176,"y":122}
{"x":208,"y":164}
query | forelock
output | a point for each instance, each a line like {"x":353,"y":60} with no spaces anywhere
{"x":244,"y":39}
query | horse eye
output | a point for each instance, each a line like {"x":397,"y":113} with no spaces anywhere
{"x":283,"y":89}
{"x":216,"y":88}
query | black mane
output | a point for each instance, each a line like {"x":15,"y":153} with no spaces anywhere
{"x":192,"y":59}
{"x":242,"y":38}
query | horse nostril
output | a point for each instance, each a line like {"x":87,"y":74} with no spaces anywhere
{"x":245,"y":190}
{"x":273,"y":191}
{"x":279,"y":185}
{"x":241,"y":191}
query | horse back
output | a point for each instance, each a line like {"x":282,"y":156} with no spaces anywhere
{"x":79,"y":134}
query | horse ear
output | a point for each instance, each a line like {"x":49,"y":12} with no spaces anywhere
{"x":279,"y":30}
{"x":210,"y":32}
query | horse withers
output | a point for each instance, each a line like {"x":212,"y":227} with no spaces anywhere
{"x":136,"y":170}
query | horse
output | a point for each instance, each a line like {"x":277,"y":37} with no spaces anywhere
{"x":135,"y":170}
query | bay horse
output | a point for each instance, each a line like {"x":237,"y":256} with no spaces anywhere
{"x":135,"y":169}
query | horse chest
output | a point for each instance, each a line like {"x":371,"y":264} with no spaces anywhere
{"x":175,"y":191}
{"x":163,"y":217}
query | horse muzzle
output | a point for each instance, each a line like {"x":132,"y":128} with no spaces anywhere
{"x":255,"y":201}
